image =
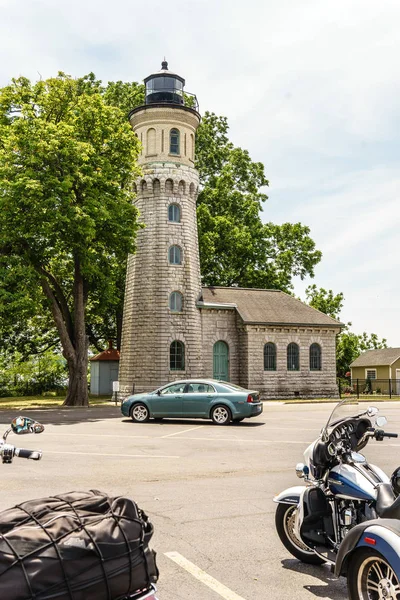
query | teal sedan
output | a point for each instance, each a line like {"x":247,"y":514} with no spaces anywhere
{"x":194,"y":399}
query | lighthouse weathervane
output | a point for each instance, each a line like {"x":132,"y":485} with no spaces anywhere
{"x":161,"y":332}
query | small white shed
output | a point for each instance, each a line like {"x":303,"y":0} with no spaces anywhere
{"x":103,"y":371}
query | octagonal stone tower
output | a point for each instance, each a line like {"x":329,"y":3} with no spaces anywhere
{"x":161,"y":332}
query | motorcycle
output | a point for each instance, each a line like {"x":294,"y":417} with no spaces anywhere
{"x":348,"y":512}
{"x":25,"y":425}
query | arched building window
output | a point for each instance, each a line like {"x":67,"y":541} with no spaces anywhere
{"x":174,"y":141}
{"x":151,"y":141}
{"x":156,"y":186}
{"x":177,"y":356}
{"x":293,"y":362}
{"x":181,"y":187}
{"x":169,"y":186}
{"x":176,"y":302}
{"x":315,"y":357}
{"x":269,"y":357}
{"x":175,"y":255}
{"x":174,"y":213}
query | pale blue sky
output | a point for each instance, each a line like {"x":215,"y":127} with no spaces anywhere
{"x":310,"y":88}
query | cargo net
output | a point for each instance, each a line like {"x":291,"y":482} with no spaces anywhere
{"x":76,"y":546}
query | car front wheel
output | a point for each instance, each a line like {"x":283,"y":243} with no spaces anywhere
{"x":221,"y":415}
{"x":140,"y":413}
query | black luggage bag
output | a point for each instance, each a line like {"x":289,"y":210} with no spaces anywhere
{"x":76,"y":546}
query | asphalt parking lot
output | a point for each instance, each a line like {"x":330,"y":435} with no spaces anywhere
{"x":207,"y":489}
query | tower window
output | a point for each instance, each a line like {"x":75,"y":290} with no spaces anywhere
{"x":293,"y":363}
{"x":177,"y":356}
{"x":174,"y":141}
{"x":269,"y":357}
{"x":174,"y":213}
{"x":175,"y":255}
{"x":176,"y":302}
{"x":315,"y":357}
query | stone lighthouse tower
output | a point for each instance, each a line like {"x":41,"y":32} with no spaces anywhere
{"x":161,"y":333}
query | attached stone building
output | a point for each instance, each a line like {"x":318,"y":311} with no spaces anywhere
{"x":174,"y":329}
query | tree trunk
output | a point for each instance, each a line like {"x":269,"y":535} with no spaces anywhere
{"x":78,"y":393}
{"x":78,"y":386}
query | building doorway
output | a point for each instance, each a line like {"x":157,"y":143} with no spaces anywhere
{"x":221,"y":361}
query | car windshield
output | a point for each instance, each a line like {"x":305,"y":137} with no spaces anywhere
{"x":347,"y":409}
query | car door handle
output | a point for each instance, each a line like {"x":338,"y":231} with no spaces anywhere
{"x":210,"y":395}
{"x":177,"y":396}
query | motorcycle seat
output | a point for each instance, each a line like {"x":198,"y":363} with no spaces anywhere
{"x":387,"y":505}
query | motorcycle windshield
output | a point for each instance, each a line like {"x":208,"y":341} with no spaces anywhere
{"x":346,"y":409}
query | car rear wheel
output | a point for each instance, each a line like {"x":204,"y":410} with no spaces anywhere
{"x":221,"y":415}
{"x":140,"y":413}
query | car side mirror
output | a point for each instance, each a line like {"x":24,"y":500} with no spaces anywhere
{"x":21,"y":425}
{"x":158,"y":392}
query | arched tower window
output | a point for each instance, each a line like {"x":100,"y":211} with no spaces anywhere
{"x":269,"y":357}
{"x":169,"y":186}
{"x":315,"y":357}
{"x":177,"y":356}
{"x":176,"y":302}
{"x":151,"y":141}
{"x":181,"y":187}
{"x":174,"y":213}
{"x":175,"y":255}
{"x":156,"y":186}
{"x":293,"y":362}
{"x":174,"y":141}
{"x":192,"y":146}
{"x":144,"y":186}
{"x":191,"y":189}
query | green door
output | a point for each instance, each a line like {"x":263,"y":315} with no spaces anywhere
{"x":221,"y":361}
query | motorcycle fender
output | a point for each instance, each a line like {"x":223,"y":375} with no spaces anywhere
{"x":373,"y":535}
{"x":291,"y":495}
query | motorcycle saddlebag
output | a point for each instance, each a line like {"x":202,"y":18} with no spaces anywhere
{"x":76,"y":546}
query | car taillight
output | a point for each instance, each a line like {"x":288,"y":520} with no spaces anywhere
{"x":250,"y":398}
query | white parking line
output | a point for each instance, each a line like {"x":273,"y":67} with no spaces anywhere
{"x":214,"y":439}
{"x":111,"y":455}
{"x":202,"y":576}
{"x":182,"y":431}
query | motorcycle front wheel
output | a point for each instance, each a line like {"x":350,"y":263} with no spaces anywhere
{"x":284,"y":521}
{"x":370,"y":577}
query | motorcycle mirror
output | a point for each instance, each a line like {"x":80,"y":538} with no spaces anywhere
{"x":21,"y":425}
{"x":381,"y":421}
{"x":372,"y":411}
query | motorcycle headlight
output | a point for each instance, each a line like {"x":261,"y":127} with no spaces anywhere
{"x":395,"y":481}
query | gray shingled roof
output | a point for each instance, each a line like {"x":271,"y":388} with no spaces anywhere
{"x":267,"y":306}
{"x":377,"y":358}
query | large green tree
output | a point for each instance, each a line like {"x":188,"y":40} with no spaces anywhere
{"x":67,"y":159}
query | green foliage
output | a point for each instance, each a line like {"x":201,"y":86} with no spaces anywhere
{"x":67,"y":161}
{"x":36,"y":374}
{"x":350,"y":345}
{"x":324,"y":300}
{"x":236,"y":247}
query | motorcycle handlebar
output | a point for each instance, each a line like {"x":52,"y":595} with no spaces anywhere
{"x":24,"y":453}
{"x":380,"y":434}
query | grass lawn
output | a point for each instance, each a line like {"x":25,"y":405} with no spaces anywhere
{"x":23,"y":402}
